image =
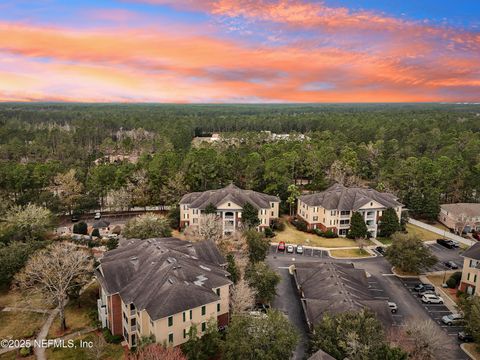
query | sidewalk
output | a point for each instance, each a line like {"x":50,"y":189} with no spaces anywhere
{"x":443,"y":233}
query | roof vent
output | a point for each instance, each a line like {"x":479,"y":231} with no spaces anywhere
{"x":171,"y":260}
{"x":205,"y":268}
{"x":170,"y":280}
{"x":133,"y":258}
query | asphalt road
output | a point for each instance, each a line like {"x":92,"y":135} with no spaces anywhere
{"x":383,"y":285}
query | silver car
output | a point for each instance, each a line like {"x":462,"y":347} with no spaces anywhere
{"x":452,"y":319}
{"x":432,"y":299}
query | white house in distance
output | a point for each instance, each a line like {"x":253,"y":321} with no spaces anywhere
{"x":229,"y":202}
{"x":460,"y":217}
{"x":332,"y":209}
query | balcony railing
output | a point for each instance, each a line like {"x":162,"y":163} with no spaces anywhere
{"x":133,"y":312}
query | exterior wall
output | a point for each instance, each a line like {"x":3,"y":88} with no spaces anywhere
{"x":470,"y":276}
{"x":136,"y":324}
{"x":114,"y":314}
{"x":447,"y":218}
{"x":450,"y":220}
{"x":190,"y":217}
{"x":338,"y":221}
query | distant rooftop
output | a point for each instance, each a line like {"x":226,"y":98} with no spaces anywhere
{"x":467,"y":209}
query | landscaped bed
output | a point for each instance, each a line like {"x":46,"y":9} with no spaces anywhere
{"x":472,"y":349}
{"x":350,"y":253}
{"x":438,"y":280}
{"x":293,"y":236}
{"x":78,"y":313}
{"x":20,"y":324}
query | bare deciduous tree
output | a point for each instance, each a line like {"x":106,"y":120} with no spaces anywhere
{"x":425,"y":340}
{"x":209,"y":228}
{"x":54,"y":271}
{"x":68,"y":188}
{"x":242,"y":297}
{"x":98,"y":349}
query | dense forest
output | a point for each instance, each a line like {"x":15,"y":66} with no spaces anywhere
{"x":77,"y":157}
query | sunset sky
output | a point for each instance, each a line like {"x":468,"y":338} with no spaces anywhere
{"x":240,"y":51}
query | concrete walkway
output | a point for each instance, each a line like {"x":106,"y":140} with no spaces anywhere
{"x":443,"y":233}
{"x":42,"y":334}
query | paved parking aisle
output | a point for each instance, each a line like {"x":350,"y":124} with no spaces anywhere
{"x":307,"y":253}
{"x":444,"y":254}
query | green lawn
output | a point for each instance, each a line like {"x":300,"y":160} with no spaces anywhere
{"x":14,"y":298}
{"x":385,"y":241}
{"x":111,"y":351}
{"x":350,"y":253}
{"x":423,"y":234}
{"x":78,"y":314}
{"x":293,"y":236}
{"x":20,"y":324}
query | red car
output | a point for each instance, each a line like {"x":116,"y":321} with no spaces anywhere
{"x":281,"y":246}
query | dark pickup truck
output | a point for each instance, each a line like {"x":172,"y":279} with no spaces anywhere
{"x":449,"y":244}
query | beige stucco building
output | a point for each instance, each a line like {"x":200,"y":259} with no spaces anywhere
{"x":160,"y":288}
{"x":332,"y":209}
{"x":460,"y":217}
{"x":470,"y":282}
{"x":229,"y":202}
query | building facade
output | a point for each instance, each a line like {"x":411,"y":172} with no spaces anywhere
{"x":229,"y":202}
{"x":460,"y":217}
{"x":332,"y":209}
{"x":470,"y":282}
{"x":161,"y":288}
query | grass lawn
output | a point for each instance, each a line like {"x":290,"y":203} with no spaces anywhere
{"x":437,"y":280}
{"x":350,"y":253}
{"x":12,"y":355}
{"x":385,"y":241}
{"x":293,"y":236}
{"x":472,"y":349}
{"x":14,"y":298}
{"x":111,"y":351}
{"x":440,"y":226}
{"x":423,"y":234}
{"x":20,"y":324}
{"x":77,"y":318}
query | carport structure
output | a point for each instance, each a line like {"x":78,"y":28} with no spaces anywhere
{"x":326,"y":287}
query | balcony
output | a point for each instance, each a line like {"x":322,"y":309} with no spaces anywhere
{"x":133,"y":312}
{"x":133,"y":328}
{"x":102,"y":312}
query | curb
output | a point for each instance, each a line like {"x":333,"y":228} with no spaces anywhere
{"x":404,"y":276}
{"x":462,"y":346}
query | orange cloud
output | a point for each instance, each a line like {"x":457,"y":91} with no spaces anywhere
{"x":121,"y":64}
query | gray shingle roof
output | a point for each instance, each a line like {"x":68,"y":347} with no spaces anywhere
{"x":473,"y":252}
{"x":163,"y":276}
{"x":335,"y":288}
{"x":467,"y":209}
{"x":339,"y":197}
{"x":200,"y":200}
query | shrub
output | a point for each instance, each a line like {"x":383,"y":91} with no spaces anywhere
{"x":25,"y":351}
{"x":319,"y":232}
{"x":112,"y":243}
{"x":278,"y":225}
{"x":299,"y":224}
{"x":329,"y":234}
{"x":454,"y":279}
{"x":112,"y":339}
{"x":96,"y":233}
{"x":269,"y":232}
{"x":80,"y":228}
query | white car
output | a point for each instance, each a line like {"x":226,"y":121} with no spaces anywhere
{"x":392,"y":306}
{"x":452,"y":319}
{"x":299,"y":249}
{"x":290,"y":249}
{"x":432,"y":299}
{"x":98,"y":215}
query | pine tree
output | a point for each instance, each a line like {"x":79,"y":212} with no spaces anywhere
{"x":358,"y":228}
{"x":250,"y":216}
{"x":389,"y":223}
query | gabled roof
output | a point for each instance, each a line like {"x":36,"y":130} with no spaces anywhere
{"x":163,"y":276}
{"x":231,"y":193}
{"x":335,"y":288}
{"x":339,"y":197}
{"x":473,"y":252}
{"x":470,"y":210}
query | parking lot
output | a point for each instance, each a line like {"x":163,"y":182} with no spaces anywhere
{"x":378,"y":292}
{"x":435,"y":311}
{"x":444,"y":254}
{"x":307,"y":253}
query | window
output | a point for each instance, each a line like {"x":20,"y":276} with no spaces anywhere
{"x":170,"y":338}
{"x":184,"y":317}
{"x":170,"y":321}
{"x":191,"y":314}
{"x":273,"y":213}
{"x":218,"y":307}
{"x":218,"y":291}
{"x":204,"y":326}
{"x":468,"y":276}
{"x":184,"y":333}
{"x":228,"y":204}
{"x":344,"y":222}
{"x":315,"y":218}
{"x":272,"y":205}
{"x":475,"y":278}
{"x":195,"y":220}
{"x":204,"y":310}
{"x":344,"y":212}
{"x":134,"y":340}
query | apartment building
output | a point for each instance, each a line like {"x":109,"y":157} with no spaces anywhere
{"x":161,"y":287}
{"x":470,"y":282}
{"x":229,"y":202}
{"x":332,"y":209}
{"x":460,"y":217}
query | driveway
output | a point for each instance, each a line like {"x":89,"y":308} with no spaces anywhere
{"x":383,"y":285}
{"x":444,"y":254}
